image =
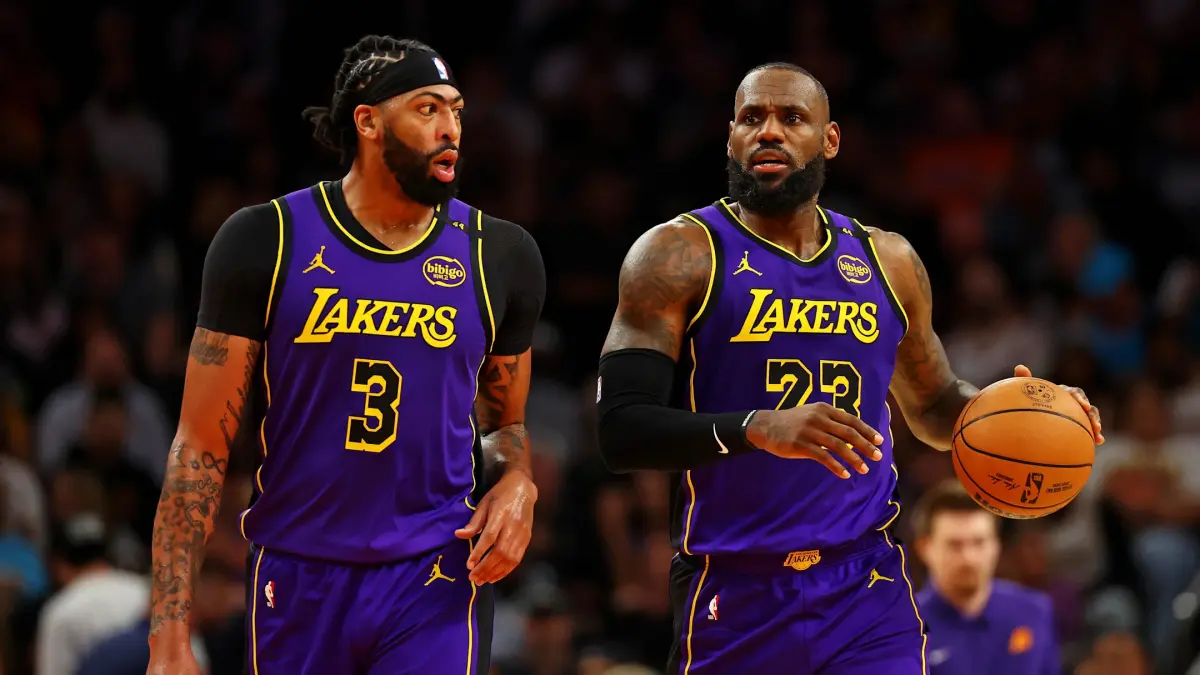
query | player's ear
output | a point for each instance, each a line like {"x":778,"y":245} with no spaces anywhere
{"x":729,"y":142}
{"x":833,"y":140}
{"x":367,"y":120}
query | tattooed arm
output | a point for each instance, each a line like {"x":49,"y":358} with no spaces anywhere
{"x":663,"y":284}
{"x":929,"y":393}
{"x":663,"y":281}
{"x":500,"y":410}
{"x":503,"y":520}
{"x":220,"y":370}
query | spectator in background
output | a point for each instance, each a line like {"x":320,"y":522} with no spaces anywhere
{"x":1116,"y":654}
{"x":968,"y":611}
{"x":1151,"y":478}
{"x":95,"y":601}
{"x":22,"y":501}
{"x":992,"y":332}
{"x":21,"y":567}
{"x":128,"y":652}
{"x":61,"y":424}
{"x":132,"y":494}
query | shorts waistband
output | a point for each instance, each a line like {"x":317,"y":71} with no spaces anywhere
{"x":795,"y":561}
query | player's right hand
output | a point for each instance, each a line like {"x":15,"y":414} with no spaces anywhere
{"x":817,"y":431}
{"x":178,"y":661}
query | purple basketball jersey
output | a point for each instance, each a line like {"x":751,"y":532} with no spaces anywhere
{"x":777,"y":332}
{"x":368,"y":442}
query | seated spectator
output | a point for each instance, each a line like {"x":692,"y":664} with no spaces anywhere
{"x":95,"y":600}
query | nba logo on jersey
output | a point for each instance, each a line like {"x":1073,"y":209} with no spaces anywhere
{"x":441,"y":68}
{"x":712,"y":607}
{"x":269,"y":591}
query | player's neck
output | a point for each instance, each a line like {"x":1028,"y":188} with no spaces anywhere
{"x":380,"y":206}
{"x":801,"y":231}
{"x":970,"y":604}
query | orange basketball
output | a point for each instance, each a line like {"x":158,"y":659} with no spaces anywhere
{"x":1023,"y":448}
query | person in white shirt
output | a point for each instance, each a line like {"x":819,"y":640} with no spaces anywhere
{"x":95,"y":600}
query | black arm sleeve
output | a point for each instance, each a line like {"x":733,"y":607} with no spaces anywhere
{"x":515,"y":273}
{"x":236,"y":286}
{"x":639,"y":431}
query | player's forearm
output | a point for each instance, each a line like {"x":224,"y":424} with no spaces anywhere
{"x":507,"y":449}
{"x":934,"y":424}
{"x":187,"y":508}
{"x":639,"y":431}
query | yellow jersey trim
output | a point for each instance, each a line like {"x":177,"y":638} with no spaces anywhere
{"x":712,"y":273}
{"x":254,"y":614}
{"x":487,"y":298}
{"x":382,"y":251}
{"x":692,"y":616}
{"x":829,"y":235}
{"x":912,"y":598}
{"x":887,"y":283}
{"x":471,"y":620}
{"x":262,"y":427}
{"x":687,"y":475}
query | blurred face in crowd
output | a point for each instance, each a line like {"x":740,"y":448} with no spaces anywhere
{"x":105,"y":431}
{"x":418,"y":133}
{"x":105,"y":360}
{"x":1146,"y":413}
{"x":1120,"y":653}
{"x":779,"y":141}
{"x":961,"y":551}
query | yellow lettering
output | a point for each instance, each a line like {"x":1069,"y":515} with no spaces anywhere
{"x":335,"y":320}
{"x":377,"y":317}
{"x":837,"y":317}
{"x":364,"y":317}
{"x":799,"y":315}
{"x":444,"y":318}
{"x":846,"y":312}
{"x":823,"y":307}
{"x":866,"y":329}
{"x":772,"y":321}
{"x":391,"y":324}
{"x":416,"y":319}
{"x":746,"y":334}
{"x":310,"y":324}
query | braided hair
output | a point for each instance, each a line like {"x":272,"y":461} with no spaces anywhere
{"x":333,"y":126}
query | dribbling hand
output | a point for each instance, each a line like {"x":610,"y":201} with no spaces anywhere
{"x":817,"y":431}
{"x":1093,"y":412}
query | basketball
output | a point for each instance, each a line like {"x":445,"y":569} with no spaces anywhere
{"x":1023,"y":448}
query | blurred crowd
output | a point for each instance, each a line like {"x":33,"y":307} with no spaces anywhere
{"x":1043,"y":157}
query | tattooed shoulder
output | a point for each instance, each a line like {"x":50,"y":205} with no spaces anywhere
{"x":904,"y":269}
{"x":662,"y":280}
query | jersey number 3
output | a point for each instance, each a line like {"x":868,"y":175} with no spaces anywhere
{"x":375,"y":429}
{"x":794,"y":380}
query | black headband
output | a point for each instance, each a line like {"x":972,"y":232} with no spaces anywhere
{"x":417,"y":69}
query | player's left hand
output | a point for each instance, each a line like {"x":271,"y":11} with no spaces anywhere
{"x":505,"y":519}
{"x":1092,"y":411}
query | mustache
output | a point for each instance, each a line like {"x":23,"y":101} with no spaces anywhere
{"x":445,"y":147}
{"x":772,"y":147}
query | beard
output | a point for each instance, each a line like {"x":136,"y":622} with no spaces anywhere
{"x":410,"y":168}
{"x":781,"y":198}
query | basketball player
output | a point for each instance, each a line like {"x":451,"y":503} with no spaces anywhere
{"x":978,"y":625}
{"x":390,"y":326}
{"x":761,"y":329}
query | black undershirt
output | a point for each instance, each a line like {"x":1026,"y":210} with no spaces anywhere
{"x":240,"y":265}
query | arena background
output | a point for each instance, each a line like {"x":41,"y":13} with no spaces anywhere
{"x":1043,"y":157}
